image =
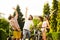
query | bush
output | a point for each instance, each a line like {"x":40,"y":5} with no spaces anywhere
{"x":4,"y":29}
{"x":53,"y":36}
{"x":49,"y":36}
{"x":3,"y":35}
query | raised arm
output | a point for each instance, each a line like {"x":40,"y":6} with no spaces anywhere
{"x":48,"y":24}
{"x":52,"y":12}
{"x":16,"y":13}
{"x":26,"y":13}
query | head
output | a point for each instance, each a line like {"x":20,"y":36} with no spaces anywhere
{"x":41,"y":18}
{"x":10,"y":17}
{"x":30,"y":17}
{"x":46,"y":18}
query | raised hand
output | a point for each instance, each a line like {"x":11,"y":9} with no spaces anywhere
{"x":16,"y":12}
{"x":52,"y":12}
{"x":14,"y":9}
{"x":26,"y":12}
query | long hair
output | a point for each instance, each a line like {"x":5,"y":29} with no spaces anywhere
{"x":30,"y":18}
{"x":41,"y":18}
{"x":47,"y":17}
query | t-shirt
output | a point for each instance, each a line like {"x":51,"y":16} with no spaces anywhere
{"x":27,"y":24}
{"x":14,"y":23}
{"x":44,"y":25}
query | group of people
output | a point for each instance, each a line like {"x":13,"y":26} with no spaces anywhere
{"x":26,"y":29}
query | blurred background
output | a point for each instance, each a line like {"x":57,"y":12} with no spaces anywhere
{"x":35,"y":8}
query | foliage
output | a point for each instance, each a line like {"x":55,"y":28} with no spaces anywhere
{"x":4,"y":29}
{"x":32,"y":30}
{"x":53,"y":21}
{"x":39,"y":25}
{"x":49,"y":36}
{"x":53,"y":36}
{"x":58,"y":17}
{"x":3,"y":35}
{"x":20,"y":17}
{"x":46,"y":9}
{"x":35,"y":21}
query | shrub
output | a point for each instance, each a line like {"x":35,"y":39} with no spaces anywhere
{"x":3,"y":35}
{"x":53,"y":36}
{"x":4,"y":29}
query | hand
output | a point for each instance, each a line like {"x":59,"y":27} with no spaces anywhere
{"x":48,"y":27}
{"x":18,"y":29}
{"x":14,"y":9}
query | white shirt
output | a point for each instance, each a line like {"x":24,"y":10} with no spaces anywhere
{"x":27,"y":24}
{"x":44,"y":24}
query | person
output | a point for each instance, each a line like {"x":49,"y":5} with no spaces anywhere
{"x":26,"y":29}
{"x":39,"y":25}
{"x":14,"y":23}
{"x":45,"y":25}
{"x":28,"y":23}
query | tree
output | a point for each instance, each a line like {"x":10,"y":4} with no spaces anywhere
{"x":53,"y":21}
{"x":58,"y":17}
{"x":4,"y":29}
{"x":46,"y":9}
{"x":20,"y":17}
{"x":35,"y":22}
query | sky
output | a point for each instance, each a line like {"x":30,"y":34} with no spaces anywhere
{"x":35,"y":7}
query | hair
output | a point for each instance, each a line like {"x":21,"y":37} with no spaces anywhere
{"x":41,"y":18}
{"x":10,"y":17}
{"x":47,"y":17}
{"x":31,"y":17}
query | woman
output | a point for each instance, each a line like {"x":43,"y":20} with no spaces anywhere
{"x":45,"y":25}
{"x":15,"y":26}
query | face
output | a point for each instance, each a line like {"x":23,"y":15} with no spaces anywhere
{"x":30,"y":18}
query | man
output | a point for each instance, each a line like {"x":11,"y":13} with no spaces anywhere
{"x":15,"y":26}
{"x":28,"y":23}
{"x":26,"y":29}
